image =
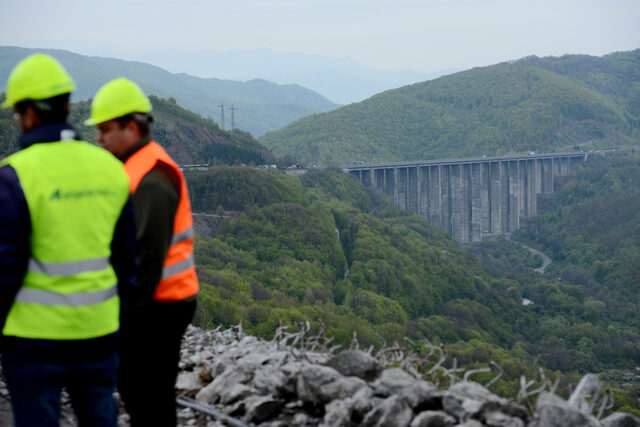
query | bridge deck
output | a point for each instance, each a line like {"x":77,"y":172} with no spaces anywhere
{"x":472,"y":197}
{"x":363,"y":166}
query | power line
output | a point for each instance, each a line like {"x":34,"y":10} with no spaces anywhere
{"x":222,"y":114}
{"x":233,"y":122}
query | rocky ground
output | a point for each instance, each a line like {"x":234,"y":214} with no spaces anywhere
{"x":298,"y":379}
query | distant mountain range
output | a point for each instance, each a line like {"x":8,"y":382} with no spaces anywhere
{"x":341,"y":80}
{"x":534,"y":104}
{"x":262,"y":106}
{"x":188,"y":137}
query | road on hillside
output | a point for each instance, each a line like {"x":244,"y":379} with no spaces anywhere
{"x":545,"y":259}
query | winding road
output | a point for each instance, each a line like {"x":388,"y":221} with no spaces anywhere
{"x":545,"y":259}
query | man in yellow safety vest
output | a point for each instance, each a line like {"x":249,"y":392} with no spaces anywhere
{"x":67,"y":256}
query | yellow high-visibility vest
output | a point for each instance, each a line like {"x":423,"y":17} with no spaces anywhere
{"x":75,"y":193}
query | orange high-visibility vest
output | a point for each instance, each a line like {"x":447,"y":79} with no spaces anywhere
{"x":178,"y":280}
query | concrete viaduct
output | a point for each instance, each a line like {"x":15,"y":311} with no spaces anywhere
{"x":470,"y":198}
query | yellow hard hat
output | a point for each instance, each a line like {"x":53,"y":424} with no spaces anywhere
{"x":38,"y":76}
{"x":115,"y":99}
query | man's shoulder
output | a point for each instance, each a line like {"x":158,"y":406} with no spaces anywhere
{"x":162,"y":176}
{"x":7,"y":161}
{"x":11,"y":191}
{"x":8,"y":174}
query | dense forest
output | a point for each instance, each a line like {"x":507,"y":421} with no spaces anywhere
{"x":542,"y":105}
{"x":9,"y":131}
{"x":591,"y":229}
{"x":285,"y":250}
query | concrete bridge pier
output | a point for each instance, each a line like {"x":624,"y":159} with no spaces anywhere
{"x":470,"y":198}
{"x":475,"y":183}
{"x":434,"y":196}
{"x":445,"y":198}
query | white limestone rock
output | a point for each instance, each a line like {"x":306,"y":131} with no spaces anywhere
{"x":553,"y":411}
{"x":188,"y":381}
{"x":337,"y":413}
{"x":498,"y":419}
{"x":433,"y":419}
{"x":357,"y":364}
{"x":393,"y":411}
{"x":322,"y":384}
{"x":392,"y":381}
{"x":211,"y":393}
{"x":262,"y":408}
{"x":620,"y":419}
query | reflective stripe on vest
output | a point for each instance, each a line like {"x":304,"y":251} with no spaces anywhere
{"x":68,"y":268}
{"x":178,"y":267}
{"x":77,"y":299}
{"x":75,"y":193}
{"x":184,"y":235}
{"x":178,"y":278}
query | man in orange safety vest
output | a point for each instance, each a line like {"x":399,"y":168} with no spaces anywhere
{"x":151,"y":330}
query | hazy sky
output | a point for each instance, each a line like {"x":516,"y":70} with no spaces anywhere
{"x":424,"y":35}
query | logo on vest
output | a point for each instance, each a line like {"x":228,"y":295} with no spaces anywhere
{"x":59,"y":195}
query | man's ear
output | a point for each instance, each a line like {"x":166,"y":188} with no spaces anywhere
{"x":29,"y":119}
{"x":133,"y":130}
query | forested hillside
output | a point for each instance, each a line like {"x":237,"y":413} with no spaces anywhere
{"x":542,"y":105}
{"x":187,"y":137}
{"x":323,"y":247}
{"x":616,"y":74}
{"x":262,"y":105}
{"x":591,"y":228}
{"x":9,"y":131}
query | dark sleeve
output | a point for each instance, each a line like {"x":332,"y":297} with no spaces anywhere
{"x":155,"y":202}
{"x":15,"y":230}
{"x":123,"y":254}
